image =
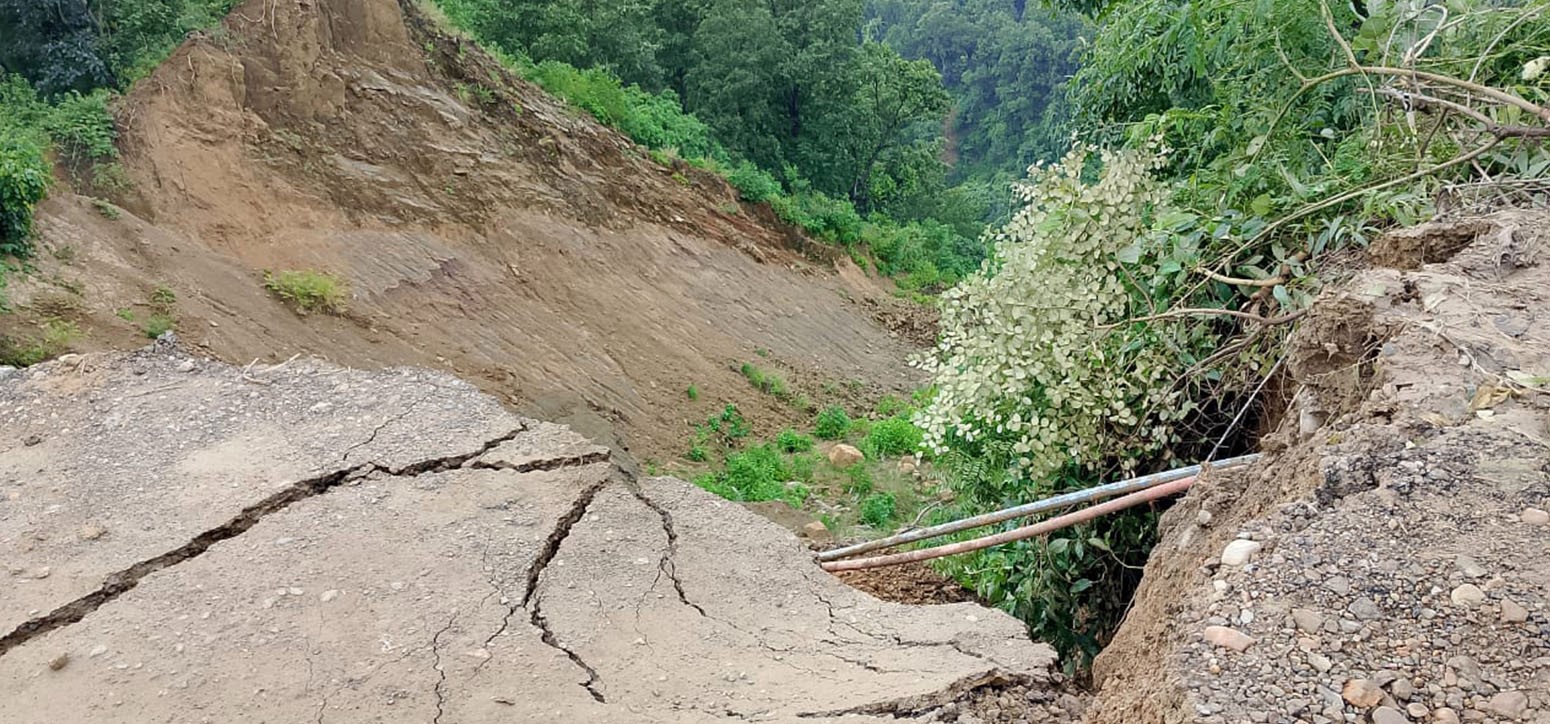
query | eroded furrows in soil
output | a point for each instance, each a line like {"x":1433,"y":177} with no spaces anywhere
{"x":120,"y":582}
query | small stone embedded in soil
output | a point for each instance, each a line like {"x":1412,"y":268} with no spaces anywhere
{"x":815,"y":530}
{"x":1365,"y":609}
{"x":1469,"y":567}
{"x":1510,"y":704}
{"x":1228,"y":638}
{"x":844,"y":456}
{"x":1240,"y":552}
{"x":1307,"y":620}
{"x":1416,"y":710}
{"x":1535,"y":516}
{"x":1361,"y":693}
{"x":1512,"y":612}
{"x":1388,"y":715}
{"x":59,"y":662}
{"x":328,"y":595}
{"x":1467,"y":595}
{"x":90,"y":531}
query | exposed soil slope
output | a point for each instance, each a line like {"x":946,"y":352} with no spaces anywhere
{"x":1401,"y":570}
{"x":186,"y":541}
{"x":483,"y":228}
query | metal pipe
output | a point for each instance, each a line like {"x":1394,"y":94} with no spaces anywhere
{"x":1102,"y":492}
{"x":1029,"y":531}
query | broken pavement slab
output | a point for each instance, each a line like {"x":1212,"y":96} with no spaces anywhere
{"x":458,"y":564}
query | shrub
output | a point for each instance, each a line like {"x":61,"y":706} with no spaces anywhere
{"x":893,"y":436}
{"x":754,"y":184}
{"x":693,"y":393}
{"x":832,"y":424}
{"x":792,"y":441}
{"x":157,"y":325}
{"x":769,"y":383}
{"x":24,"y":180}
{"x":878,"y":509}
{"x":756,"y":474}
{"x":858,"y":480}
{"x":307,"y":291}
{"x":81,"y":127}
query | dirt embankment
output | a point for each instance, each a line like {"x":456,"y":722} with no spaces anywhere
{"x":1386,"y":562}
{"x":484,"y":229}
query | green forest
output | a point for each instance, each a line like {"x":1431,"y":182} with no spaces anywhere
{"x":1118,"y":207}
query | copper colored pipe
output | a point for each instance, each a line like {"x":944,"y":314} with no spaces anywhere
{"x":1016,"y":534}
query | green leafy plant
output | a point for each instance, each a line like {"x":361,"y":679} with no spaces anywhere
{"x":832,"y":423}
{"x":892,"y":436}
{"x":879,"y":509}
{"x":24,"y":180}
{"x":693,"y":393}
{"x":157,"y":325}
{"x":308,"y":291}
{"x":53,"y":339}
{"x":769,"y":383}
{"x":791,"y":441}
{"x":756,"y":474}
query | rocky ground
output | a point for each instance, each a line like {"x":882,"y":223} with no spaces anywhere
{"x":1387,"y":563}
{"x":185,"y":541}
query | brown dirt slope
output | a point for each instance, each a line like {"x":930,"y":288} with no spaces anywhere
{"x":483,"y":227}
{"x":186,"y":541}
{"x":1400,"y":571}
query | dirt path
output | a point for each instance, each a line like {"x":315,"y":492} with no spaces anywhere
{"x":1387,"y":563}
{"x":187,"y":542}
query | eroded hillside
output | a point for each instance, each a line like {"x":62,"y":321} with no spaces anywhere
{"x":483,"y":229}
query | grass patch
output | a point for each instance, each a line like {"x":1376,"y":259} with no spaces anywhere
{"x":54,"y":338}
{"x":757,"y":474}
{"x":307,"y":291}
{"x":791,"y":441}
{"x":770,"y":383}
{"x":157,"y":325}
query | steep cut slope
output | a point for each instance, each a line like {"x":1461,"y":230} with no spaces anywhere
{"x":1396,"y":570}
{"x":483,"y":227}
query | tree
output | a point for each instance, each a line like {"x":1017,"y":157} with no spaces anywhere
{"x":891,"y":95}
{"x":53,"y":44}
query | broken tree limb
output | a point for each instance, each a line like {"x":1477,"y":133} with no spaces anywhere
{"x":1066,"y":500}
{"x":1025,"y":532}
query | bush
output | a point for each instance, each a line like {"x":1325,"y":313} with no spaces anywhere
{"x":307,"y":291}
{"x":754,"y":184}
{"x":157,"y":325}
{"x":792,"y":441}
{"x":766,"y":382}
{"x":656,"y":121}
{"x":832,"y":219}
{"x":756,"y":474}
{"x":832,"y":423}
{"x":24,"y":180}
{"x":81,"y":127}
{"x":878,"y":510}
{"x":893,"y":436}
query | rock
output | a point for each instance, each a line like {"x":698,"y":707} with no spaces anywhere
{"x":1416,"y":711}
{"x":1467,"y":595}
{"x":1307,"y":620}
{"x":1203,"y":518}
{"x":1320,"y":662}
{"x":91,"y":531}
{"x":328,"y":595}
{"x":843,"y":456}
{"x":59,"y":662}
{"x":1228,"y":638}
{"x":1534,"y":516}
{"x":816,"y":530}
{"x":1361,"y":693}
{"x":907,"y":466}
{"x":1510,"y":704}
{"x":1364,"y":609}
{"x":1389,"y":715}
{"x":31,"y":440}
{"x":1402,"y":689}
{"x":97,"y":650}
{"x":1445,"y":716}
{"x":1512,"y":612}
{"x":1240,"y":552}
{"x":1469,"y":567}
{"x":6,"y":371}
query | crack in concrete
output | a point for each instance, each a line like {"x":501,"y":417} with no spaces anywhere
{"x":441,"y":673}
{"x":120,"y":582}
{"x":665,"y":565}
{"x":547,"y":464}
{"x":914,"y":707}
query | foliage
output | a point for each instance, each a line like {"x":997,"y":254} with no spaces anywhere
{"x":756,"y":474}
{"x":791,"y":441}
{"x":308,"y":291}
{"x":878,"y":510}
{"x":24,"y":179}
{"x":53,"y":339}
{"x":769,"y":383}
{"x":892,"y":436}
{"x":693,"y":393}
{"x":654,"y":120}
{"x":753,"y":183}
{"x":832,"y":423}
{"x":157,"y":325}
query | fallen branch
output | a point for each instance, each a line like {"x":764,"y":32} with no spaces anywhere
{"x":1207,"y":312}
{"x":1023,"y":533}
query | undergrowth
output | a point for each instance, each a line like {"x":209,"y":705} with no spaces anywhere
{"x":308,"y":291}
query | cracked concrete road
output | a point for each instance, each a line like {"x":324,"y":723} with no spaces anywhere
{"x":183,"y":541}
